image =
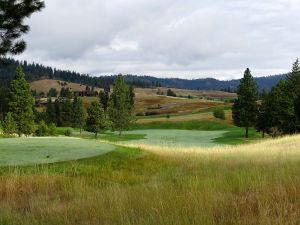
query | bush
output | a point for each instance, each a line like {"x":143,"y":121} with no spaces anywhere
{"x":151,"y":113}
{"x":219,"y":113}
{"x":140,"y":114}
{"x":52,"y":129}
{"x":68,"y":132}
{"x":275,"y":132}
{"x":42,"y":129}
{"x":171,"y":93}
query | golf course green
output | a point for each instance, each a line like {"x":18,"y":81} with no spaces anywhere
{"x":30,"y":151}
{"x":174,"y":137}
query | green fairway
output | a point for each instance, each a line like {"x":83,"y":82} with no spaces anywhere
{"x":179,"y":138}
{"x":28,"y":151}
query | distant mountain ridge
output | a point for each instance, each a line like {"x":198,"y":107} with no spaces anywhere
{"x":266,"y":82}
{"x":36,"y":72}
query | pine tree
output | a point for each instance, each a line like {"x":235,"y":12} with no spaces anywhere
{"x":57,"y":107}
{"x":50,"y":112}
{"x":78,"y":113}
{"x":13,"y":14}
{"x":293,"y":81}
{"x":120,"y":106}
{"x":104,"y":99}
{"x":67,"y":113}
{"x":282,"y":109}
{"x":263,"y":122}
{"x":9,"y":126}
{"x":244,"y":110}
{"x":96,"y":121}
{"x":21,"y":103}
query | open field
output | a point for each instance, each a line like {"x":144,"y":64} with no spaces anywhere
{"x":148,"y":100}
{"x":186,"y":92}
{"x":250,"y":184}
{"x":45,"y":85}
{"x":29,"y":151}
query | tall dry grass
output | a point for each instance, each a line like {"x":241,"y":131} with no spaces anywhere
{"x":255,"y":184}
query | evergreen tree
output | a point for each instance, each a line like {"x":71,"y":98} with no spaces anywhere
{"x":78,"y":113}
{"x":12,"y":16}
{"x":21,"y":103}
{"x":3,"y":102}
{"x":244,"y":110}
{"x":9,"y":126}
{"x":96,"y":121}
{"x":282,"y":110}
{"x":131,"y":96}
{"x":50,"y":112}
{"x":293,"y":81}
{"x":52,"y":93}
{"x":263,"y":122}
{"x":67,"y":113}
{"x":58,"y":113}
{"x":104,"y":98}
{"x":120,"y":106}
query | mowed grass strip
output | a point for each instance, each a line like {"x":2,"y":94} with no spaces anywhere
{"x":129,"y":186}
{"x":28,"y":151}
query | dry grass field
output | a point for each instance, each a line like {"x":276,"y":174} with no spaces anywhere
{"x":46,"y":84}
{"x":148,"y":100}
{"x":192,"y":93}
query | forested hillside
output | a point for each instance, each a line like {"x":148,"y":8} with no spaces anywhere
{"x":36,"y":71}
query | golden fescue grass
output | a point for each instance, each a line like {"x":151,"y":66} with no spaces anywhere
{"x":255,"y":184}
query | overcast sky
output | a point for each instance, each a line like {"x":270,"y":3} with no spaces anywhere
{"x":167,"y":38}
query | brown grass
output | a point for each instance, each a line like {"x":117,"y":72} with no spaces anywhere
{"x":46,"y":84}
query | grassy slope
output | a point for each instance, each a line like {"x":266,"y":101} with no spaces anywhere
{"x":244,"y":185}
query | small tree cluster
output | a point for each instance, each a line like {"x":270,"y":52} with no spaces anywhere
{"x":277,"y":112}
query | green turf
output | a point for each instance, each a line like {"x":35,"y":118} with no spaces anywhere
{"x":28,"y":151}
{"x":232,"y":135}
{"x":178,"y":138}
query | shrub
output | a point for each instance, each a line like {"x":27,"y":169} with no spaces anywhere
{"x":171,"y":93}
{"x":9,"y":125}
{"x":140,"y":114}
{"x":52,"y":129}
{"x":42,"y":129}
{"x":168,"y":116}
{"x":219,"y":113}
{"x":151,"y":113}
{"x":275,"y":132}
{"x":68,"y":132}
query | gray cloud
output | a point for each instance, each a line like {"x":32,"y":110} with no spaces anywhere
{"x":185,"y":38}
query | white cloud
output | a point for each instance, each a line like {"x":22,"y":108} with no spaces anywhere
{"x":185,"y":38}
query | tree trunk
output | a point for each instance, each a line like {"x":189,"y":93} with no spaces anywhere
{"x":263,"y":134}
{"x":96,"y":135}
{"x":247,"y":132}
{"x":120,"y":133}
{"x":80,"y":130}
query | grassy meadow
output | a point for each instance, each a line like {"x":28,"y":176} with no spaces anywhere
{"x":249,"y":184}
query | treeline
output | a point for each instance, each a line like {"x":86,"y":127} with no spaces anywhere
{"x":36,"y":71}
{"x":276,"y":112}
{"x":111,"y":111}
